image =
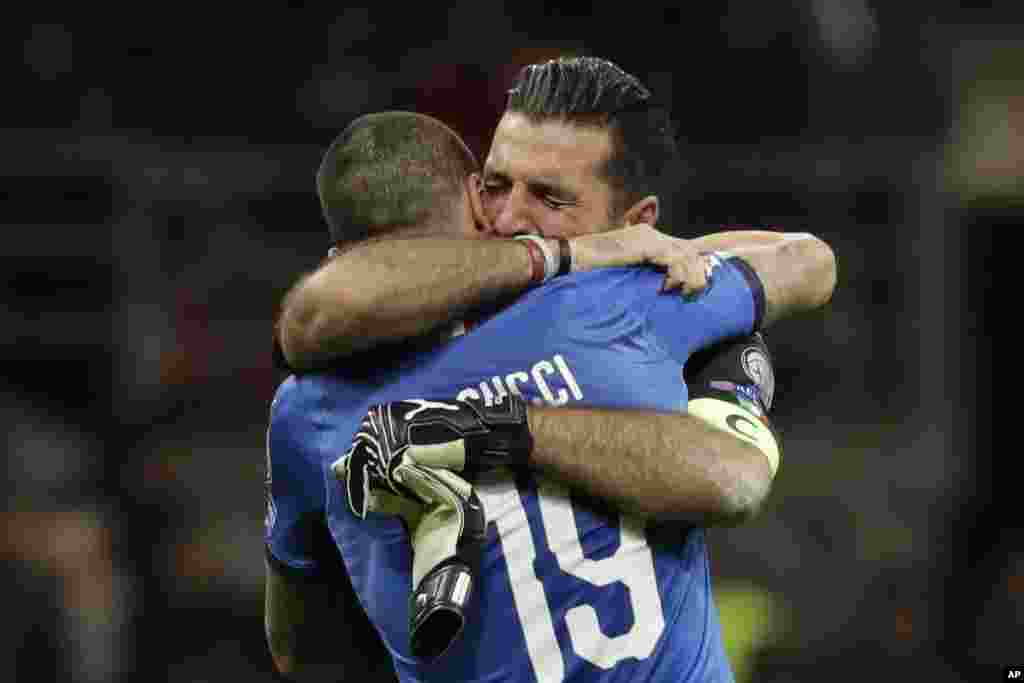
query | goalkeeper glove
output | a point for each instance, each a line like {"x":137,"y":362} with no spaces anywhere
{"x":402,"y":461}
{"x":732,"y":386}
{"x":462,"y":436}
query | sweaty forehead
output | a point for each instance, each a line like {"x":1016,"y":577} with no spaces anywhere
{"x":552,"y":149}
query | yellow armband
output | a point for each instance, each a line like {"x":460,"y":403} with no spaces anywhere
{"x":740,"y":422}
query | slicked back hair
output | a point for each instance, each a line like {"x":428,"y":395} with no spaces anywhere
{"x":593,"y":92}
{"x":391,"y":171}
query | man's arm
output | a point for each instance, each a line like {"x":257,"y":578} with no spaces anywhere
{"x":389,"y":290}
{"x":797,"y":270}
{"x":678,"y":467}
{"x":667,"y":466}
{"x":664,"y":466}
{"x":295,"y":615}
{"x":317,"y":632}
{"x":308,"y":593}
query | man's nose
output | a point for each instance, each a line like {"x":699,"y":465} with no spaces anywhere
{"x":515,"y":216}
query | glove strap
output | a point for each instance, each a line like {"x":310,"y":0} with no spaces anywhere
{"x":505,"y":446}
{"x":438,"y":609}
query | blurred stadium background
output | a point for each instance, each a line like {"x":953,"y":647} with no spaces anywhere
{"x":158,"y":200}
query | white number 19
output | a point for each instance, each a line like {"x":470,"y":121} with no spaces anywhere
{"x":632,"y":564}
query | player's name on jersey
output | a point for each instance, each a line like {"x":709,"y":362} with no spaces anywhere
{"x":539,"y":379}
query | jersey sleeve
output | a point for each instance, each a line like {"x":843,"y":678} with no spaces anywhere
{"x":294,"y":497}
{"x":733,"y":304}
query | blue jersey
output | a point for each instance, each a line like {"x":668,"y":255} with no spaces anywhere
{"x":568,"y":589}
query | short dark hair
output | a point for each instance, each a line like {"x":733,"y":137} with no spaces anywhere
{"x":594,"y":92}
{"x":391,"y":170}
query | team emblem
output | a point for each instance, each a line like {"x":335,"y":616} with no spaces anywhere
{"x":759,"y":369}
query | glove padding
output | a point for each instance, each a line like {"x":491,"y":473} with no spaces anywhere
{"x":400,"y":463}
{"x":732,"y":386}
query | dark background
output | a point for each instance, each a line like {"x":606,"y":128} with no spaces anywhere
{"x":158,"y":200}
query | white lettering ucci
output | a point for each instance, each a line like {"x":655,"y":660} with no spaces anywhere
{"x":514,"y":377}
{"x":499,"y":389}
{"x":542,"y":385}
{"x":485,"y":389}
{"x":493,"y":391}
{"x":566,"y":373}
{"x":467,"y":393}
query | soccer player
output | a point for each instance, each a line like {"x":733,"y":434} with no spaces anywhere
{"x":567,"y":588}
{"x":582,"y":148}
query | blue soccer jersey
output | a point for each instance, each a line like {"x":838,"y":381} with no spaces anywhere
{"x":568,"y":588}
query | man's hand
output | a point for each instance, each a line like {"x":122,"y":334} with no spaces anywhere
{"x":686,"y":268}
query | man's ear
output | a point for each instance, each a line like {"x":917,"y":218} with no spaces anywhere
{"x":644,"y":211}
{"x":473,"y":185}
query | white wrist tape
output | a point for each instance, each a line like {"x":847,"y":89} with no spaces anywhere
{"x":550,"y":257}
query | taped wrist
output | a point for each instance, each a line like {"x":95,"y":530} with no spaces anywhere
{"x":554,"y":264}
{"x":538,"y":266}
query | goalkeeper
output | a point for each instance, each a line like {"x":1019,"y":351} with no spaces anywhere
{"x":315,"y":418}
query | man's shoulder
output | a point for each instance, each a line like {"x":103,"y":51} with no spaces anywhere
{"x":297,"y":395}
{"x":639,"y":277}
{"x":592,"y":292}
{"x":288,"y":392}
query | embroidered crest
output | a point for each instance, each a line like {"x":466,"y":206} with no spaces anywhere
{"x":759,"y":370}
